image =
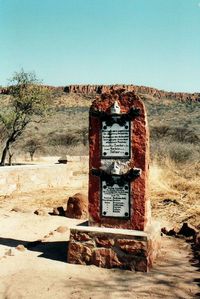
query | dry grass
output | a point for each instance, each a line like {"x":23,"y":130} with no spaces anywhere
{"x":175,"y":192}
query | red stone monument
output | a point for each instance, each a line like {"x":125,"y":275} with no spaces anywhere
{"x":119,"y":137}
{"x":119,"y":208}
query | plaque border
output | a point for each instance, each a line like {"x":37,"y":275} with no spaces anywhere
{"x":114,"y":157}
{"x":129,"y":201}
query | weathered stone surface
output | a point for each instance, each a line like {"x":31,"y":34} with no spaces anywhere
{"x":138,"y":248}
{"x":79,"y":253}
{"x":139,"y":209}
{"x":106,"y":248}
{"x":103,"y":241}
{"x":105,"y":258}
{"x":77,"y":206}
{"x":80,"y":236}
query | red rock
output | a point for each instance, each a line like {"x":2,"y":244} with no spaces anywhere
{"x":81,"y":237}
{"x":111,"y":255}
{"x":139,"y":208}
{"x":144,"y":90}
{"x":77,"y":206}
{"x":105,"y":258}
{"x":132,"y":246}
{"x":104,"y":242}
{"x":79,"y":253}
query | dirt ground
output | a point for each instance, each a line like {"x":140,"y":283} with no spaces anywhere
{"x":39,"y":269}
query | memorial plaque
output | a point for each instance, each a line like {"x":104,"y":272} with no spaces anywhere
{"x":115,"y":200}
{"x":115,"y":140}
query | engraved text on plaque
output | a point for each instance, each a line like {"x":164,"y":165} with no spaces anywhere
{"x":116,"y":140}
{"x":115,"y":200}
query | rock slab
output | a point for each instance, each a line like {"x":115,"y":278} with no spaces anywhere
{"x":110,"y":248}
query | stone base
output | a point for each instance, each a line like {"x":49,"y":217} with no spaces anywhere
{"x":111,"y":248}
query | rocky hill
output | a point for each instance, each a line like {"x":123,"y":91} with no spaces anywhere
{"x":141,"y":90}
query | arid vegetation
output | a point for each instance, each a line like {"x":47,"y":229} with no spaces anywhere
{"x":174,"y":140}
{"x":28,"y":103}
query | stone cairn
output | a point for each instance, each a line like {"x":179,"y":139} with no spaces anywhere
{"x":117,"y":234}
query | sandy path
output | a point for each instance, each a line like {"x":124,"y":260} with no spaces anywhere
{"x":42,"y":271}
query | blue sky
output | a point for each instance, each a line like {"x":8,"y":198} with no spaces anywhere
{"x":144,"y":42}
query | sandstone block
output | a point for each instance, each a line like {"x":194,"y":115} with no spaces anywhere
{"x":79,"y":253}
{"x":109,"y":248}
{"x":102,"y":241}
{"x":77,"y":206}
{"x":105,"y":258}
{"x":137,"y":248}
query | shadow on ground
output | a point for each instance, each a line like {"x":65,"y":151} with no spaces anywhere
{"x":50,"y":250}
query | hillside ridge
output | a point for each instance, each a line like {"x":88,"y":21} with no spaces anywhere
{"x":142,"y":90}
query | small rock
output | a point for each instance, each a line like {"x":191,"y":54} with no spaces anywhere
{"x":21,"y":247}
{"x":40,"y":212}
{"x":59,"y":211}
{"x":17,"y":209}
{"x":9,"y":252}
{"x":61,"y":229}
{"x":77,"y":206}
{"x":63,"y":160}
{"x":168,"y":201}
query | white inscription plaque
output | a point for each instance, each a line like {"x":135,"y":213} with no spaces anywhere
{"x":115,"y":200}
{"x":116,"y":140}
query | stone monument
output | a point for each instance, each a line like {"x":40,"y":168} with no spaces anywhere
{"x":119,"y":207}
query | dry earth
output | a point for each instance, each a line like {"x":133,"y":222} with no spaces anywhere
{"x":39,"y":269}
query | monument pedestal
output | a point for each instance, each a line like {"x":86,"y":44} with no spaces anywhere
{"x":111,"y":248}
